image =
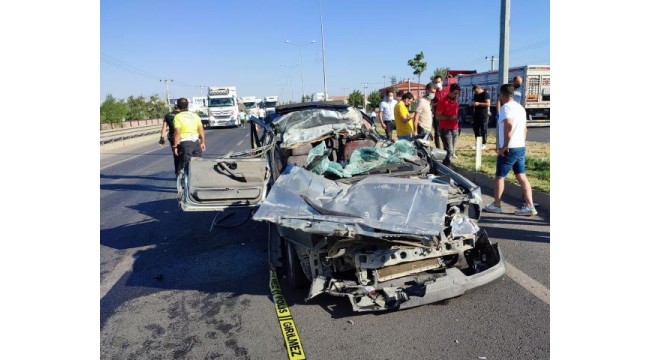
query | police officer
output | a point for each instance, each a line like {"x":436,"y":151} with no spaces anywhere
{"x":169,"y":125}
{"x":189,"y":137}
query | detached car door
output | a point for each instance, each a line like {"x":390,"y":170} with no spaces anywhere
{"x":223,"y":183}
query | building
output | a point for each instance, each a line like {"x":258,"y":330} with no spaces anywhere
{"x":400,"y":88}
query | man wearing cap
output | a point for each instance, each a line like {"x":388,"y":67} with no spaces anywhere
{"x":189,"y":137}
{"x":169,"y":125}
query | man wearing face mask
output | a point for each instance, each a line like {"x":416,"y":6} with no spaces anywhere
{"x":439,"y":95}
{"x":423,"y":114}
{"x":447,"y":115}
{"x":386,"y":114}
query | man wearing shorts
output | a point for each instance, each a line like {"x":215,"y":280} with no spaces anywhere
{"x":512,"y":151}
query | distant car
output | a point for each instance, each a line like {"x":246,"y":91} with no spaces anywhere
{"x":384,"y":224}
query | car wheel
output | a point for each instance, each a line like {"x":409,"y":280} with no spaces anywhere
{"x":295,"y":276}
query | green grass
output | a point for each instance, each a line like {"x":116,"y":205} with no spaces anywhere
{"x":538,"y":160}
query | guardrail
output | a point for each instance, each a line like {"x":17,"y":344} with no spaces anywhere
{"x":108,"y":136}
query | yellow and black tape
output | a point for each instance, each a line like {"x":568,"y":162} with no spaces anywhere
{"x":295,"y":351}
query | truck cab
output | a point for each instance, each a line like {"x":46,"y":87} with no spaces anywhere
{"x":250,"y":103}
{"x":270,"y":102}
{"x":223,"y":107}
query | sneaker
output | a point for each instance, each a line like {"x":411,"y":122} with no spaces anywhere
{"x":526,"y":211}
{"x":473,"y":147}
{"x":483,"y":147}
{"x":454,"y":156}
{"x":493,"y":208}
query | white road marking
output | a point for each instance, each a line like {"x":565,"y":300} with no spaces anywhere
{"x":124,"y":266}
{"x":121,"y":161}
{"x":540,"y":291}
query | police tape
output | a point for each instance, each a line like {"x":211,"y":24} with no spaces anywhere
{"x":295,"y":351}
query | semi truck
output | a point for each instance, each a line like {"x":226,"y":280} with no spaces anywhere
{"x":536,"y":88}
{"x":223,"y":107}
{"x":270,"y":102}
{"x":250,"y":102}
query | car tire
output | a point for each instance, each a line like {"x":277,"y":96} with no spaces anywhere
{"x":293,"y":270}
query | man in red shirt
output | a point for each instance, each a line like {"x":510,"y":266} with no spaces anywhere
{"x":447,"y":115}
{"x":440,"y":94}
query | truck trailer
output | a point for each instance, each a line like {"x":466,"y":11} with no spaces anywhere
{"x":536,"y":86}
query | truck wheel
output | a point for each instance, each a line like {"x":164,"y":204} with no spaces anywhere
{"x":293,"y":270}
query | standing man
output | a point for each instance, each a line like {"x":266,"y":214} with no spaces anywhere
{"x":403,"y":118}
{"x":480,"y":104}
{"x":169,"y":125}
{"x":423,"y":114}
{"x":439,"y":95}
{"x":373,"y":115}
{"x":512,"y":151}
{"x":447,"y":115}
{"x":386,"y":114}
{"x":189,"y":137}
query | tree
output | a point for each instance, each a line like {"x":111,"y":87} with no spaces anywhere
{"x":418,"y":64}
{"x":440,"y":71}
{"x":137,"y":108}
{"x":156,"y":108}
{"x":355,"y":98}
{"x":374,"y":99}
{"x":112,"y":110}
{"x":305,"y":98}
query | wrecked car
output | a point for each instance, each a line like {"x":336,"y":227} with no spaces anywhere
{"x":350,"y":214}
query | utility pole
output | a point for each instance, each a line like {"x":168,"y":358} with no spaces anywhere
{"x":492,"y":60}
{"x":167,"y":81}
{"x":302,"y":76}
{"x":322,"y":36}
{"x":291,"y":77}
{"x":504,"y":43}
{"x":365,"y":97}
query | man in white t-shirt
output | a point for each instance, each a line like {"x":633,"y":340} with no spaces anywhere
{"x":511,"y":127}
{"x":423,"y":114}
{"x":386,"y":114}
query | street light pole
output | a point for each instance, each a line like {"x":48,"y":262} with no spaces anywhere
{"x":504,"y":43}
{"x":302,"y":76}
{"x":322,"y":36}
{"x":290,"y":76}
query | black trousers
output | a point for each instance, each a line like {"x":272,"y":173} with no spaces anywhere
{"x":436,"y":133}
{"x":480,"y":128}
{"x":176,"y":157}
{"x":187,"y":150}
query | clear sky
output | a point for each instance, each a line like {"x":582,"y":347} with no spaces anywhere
{"x":242,"y":43}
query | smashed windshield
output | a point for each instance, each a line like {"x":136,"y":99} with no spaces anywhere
{"x":218,"y":102}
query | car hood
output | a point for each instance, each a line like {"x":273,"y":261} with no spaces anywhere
{"x":375,"y":206}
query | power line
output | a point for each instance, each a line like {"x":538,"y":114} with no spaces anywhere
{"x":119,"y":64}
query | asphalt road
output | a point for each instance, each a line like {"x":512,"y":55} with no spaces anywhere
{"x":173,"y":290}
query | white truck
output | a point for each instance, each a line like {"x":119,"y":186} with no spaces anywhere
{"x":536,"y":86}
{"x":270,"y":102}
{"x":223,"y":107}
{"x":251,"y":104}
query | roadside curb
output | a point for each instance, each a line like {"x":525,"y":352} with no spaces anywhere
{"x":512,"y":190}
